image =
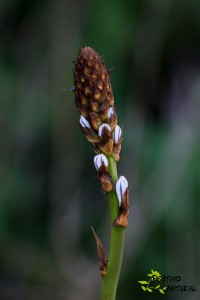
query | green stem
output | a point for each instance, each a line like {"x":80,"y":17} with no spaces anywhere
{"x":109,"y":282}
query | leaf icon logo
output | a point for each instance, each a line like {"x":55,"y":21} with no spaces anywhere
{"x":148,"y":286}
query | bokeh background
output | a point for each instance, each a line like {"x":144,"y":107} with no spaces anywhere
{"x":49,"y":193}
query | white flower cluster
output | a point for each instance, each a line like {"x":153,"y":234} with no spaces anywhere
{"x":117,"y":133}
{"x":122,"y":183}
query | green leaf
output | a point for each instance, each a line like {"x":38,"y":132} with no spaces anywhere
{"x":157,"y":274}
{"x":150,"y":275}
{"x":152,"y":271}
{"x":161,"y":291}
{"x":157,"y":286}
{"x":149,"y":290}
{"x":143,"y":282}
{"x":165,"y":288}
{"x":143,"y":287}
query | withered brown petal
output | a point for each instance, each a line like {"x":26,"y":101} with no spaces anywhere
{"x":105,"y":178}
{"x":91,"y":136}
{"x":106,"y":181}
{"x":116,"y":151}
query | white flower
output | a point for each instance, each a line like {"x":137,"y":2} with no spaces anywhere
{"x":101,"y":128}
{"x":84,"y":122}
{"x":117,"y":134}
{"x":121,"y":186}
{"x":99,"y":160}
{"x":110,"y":112}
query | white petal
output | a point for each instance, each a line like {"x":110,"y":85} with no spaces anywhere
{"x":117,"y":133}
{"x":110,"y":112}
{"x":99,"y":160}
{"x":121,"y":186}
{"x":84,"y":122}
{"x":101,"y":128}
{"x":124,"y":180}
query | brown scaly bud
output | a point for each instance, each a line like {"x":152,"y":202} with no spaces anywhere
{"x":93,"y":93}
{"x":123,"y":198}
{"x":101,"y":164}
{"x":117,"y":139}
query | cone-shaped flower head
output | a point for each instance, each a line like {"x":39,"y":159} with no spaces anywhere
{"x":93,"y":93}
{"x":92,"y":84}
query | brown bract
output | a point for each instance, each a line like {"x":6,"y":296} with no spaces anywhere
{"x":122,"y":218}
{"x":106,"y":141}
{"x":105,"y":179}
{"x":101,"y":254}
{"x":117,"y":148}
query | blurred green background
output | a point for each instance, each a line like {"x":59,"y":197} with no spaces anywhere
{"x":49,"y":193}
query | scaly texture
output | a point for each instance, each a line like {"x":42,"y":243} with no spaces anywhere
{"x":94,"y":98}
{"x":93,"y":91}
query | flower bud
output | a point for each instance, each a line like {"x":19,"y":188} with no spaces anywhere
{"x":112,"y":118}
{"x":84,"y":122}
{"x":117,"y":135}
{"x":95,"y":106}
{"x":110,"y":112}
{"x":95,"y":120}
{"x":104,"y":111}
{"x":106,"y":141}
{"x":99,"y":160}
{"x":102,"y":127}
{"x":121,"y":187}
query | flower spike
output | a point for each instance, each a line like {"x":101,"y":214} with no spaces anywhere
{"x":98,"y":122}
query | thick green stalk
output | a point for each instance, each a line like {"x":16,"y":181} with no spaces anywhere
{"x":109,"y":282}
